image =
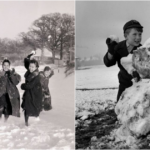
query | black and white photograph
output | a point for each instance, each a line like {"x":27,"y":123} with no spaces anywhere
{"x":112,"y":75}
{"x":37,"y":86}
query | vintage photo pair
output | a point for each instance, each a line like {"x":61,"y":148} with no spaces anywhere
{"x":74,"y":75}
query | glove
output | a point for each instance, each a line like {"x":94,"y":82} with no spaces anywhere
{"x":13,"y":71}
{"x":7,"y":73}
{"x":111,"y":45}
{"x":136,"y":76}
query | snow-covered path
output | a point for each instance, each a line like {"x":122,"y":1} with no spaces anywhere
{"x":55,"y":129}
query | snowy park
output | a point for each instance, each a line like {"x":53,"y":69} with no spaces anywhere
{"x":44,"y":29}
{"x":53,"y":129}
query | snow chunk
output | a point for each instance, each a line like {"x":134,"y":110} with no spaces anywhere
{"x":139,"y":61}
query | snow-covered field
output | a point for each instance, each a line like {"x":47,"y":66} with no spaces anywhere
{"x":96,"y":93}
{"x":92,"y":101}
{"x":97,"y":77}
{"x":54,"y":129}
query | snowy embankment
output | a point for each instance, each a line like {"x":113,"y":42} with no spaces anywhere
{"x":54,"y":129}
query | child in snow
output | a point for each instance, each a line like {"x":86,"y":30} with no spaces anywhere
{"x":44,"y":77}
{"x":32,"y":98}
{"x":116,"y":51}
{"x":9,"y":94}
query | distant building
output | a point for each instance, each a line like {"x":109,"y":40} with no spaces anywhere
{"x":47,"y":55}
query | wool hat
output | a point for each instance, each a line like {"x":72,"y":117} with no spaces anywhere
{"x":132,"y":24}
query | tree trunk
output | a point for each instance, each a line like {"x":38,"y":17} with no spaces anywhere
{"x":42,"y":54}
{"x":53,"y":54}
{"x":61,"y":50}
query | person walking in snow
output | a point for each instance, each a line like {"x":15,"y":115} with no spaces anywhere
{"x":116,"y":51}
{"x":32,"y":97}
{"x":44,"y":78}
{"x":9,"y":94}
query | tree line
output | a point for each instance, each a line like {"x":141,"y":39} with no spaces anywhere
{"x":53,"y":31}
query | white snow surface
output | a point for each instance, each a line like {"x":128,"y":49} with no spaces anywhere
{"x":53,"y":129}
{"x":93,"y":102}
{"x":97,"y":77}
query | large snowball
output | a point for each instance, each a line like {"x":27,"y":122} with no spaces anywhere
{"x":133,"y":108}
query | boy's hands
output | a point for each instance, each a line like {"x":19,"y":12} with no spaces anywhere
{"x":13,"y":71}
{"x":136,"y":76}
{"x":31,"y":55}
{"x":111,"y":45}
{"x":33,"y":52}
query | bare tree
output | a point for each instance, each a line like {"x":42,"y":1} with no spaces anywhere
{"x":54,"y":31}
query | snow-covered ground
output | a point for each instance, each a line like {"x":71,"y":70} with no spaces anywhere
{"x":97,"y":77}
{"x":54,"y":129}
{"x":90,"y":102}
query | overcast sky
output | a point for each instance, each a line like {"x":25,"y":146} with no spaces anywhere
{"x":17,"y":16}
{"x":97,"y":20}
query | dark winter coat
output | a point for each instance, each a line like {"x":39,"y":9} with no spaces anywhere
{"x":45,"y":89}
{"x":45,"y":82}
{"x":9,"y":94}
{"x":120,"y":52}
{"x":32,"y":98}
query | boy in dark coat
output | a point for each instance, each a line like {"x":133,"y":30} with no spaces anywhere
{"x":44,"y":78}
{"x":32,"y":98}
{"x":116,"y":51}
{"x":9,"y":94}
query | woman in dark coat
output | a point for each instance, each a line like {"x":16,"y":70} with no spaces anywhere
{"x":44,"y":78}
{"x":9,"y":94}
{"x":32,"y":98}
